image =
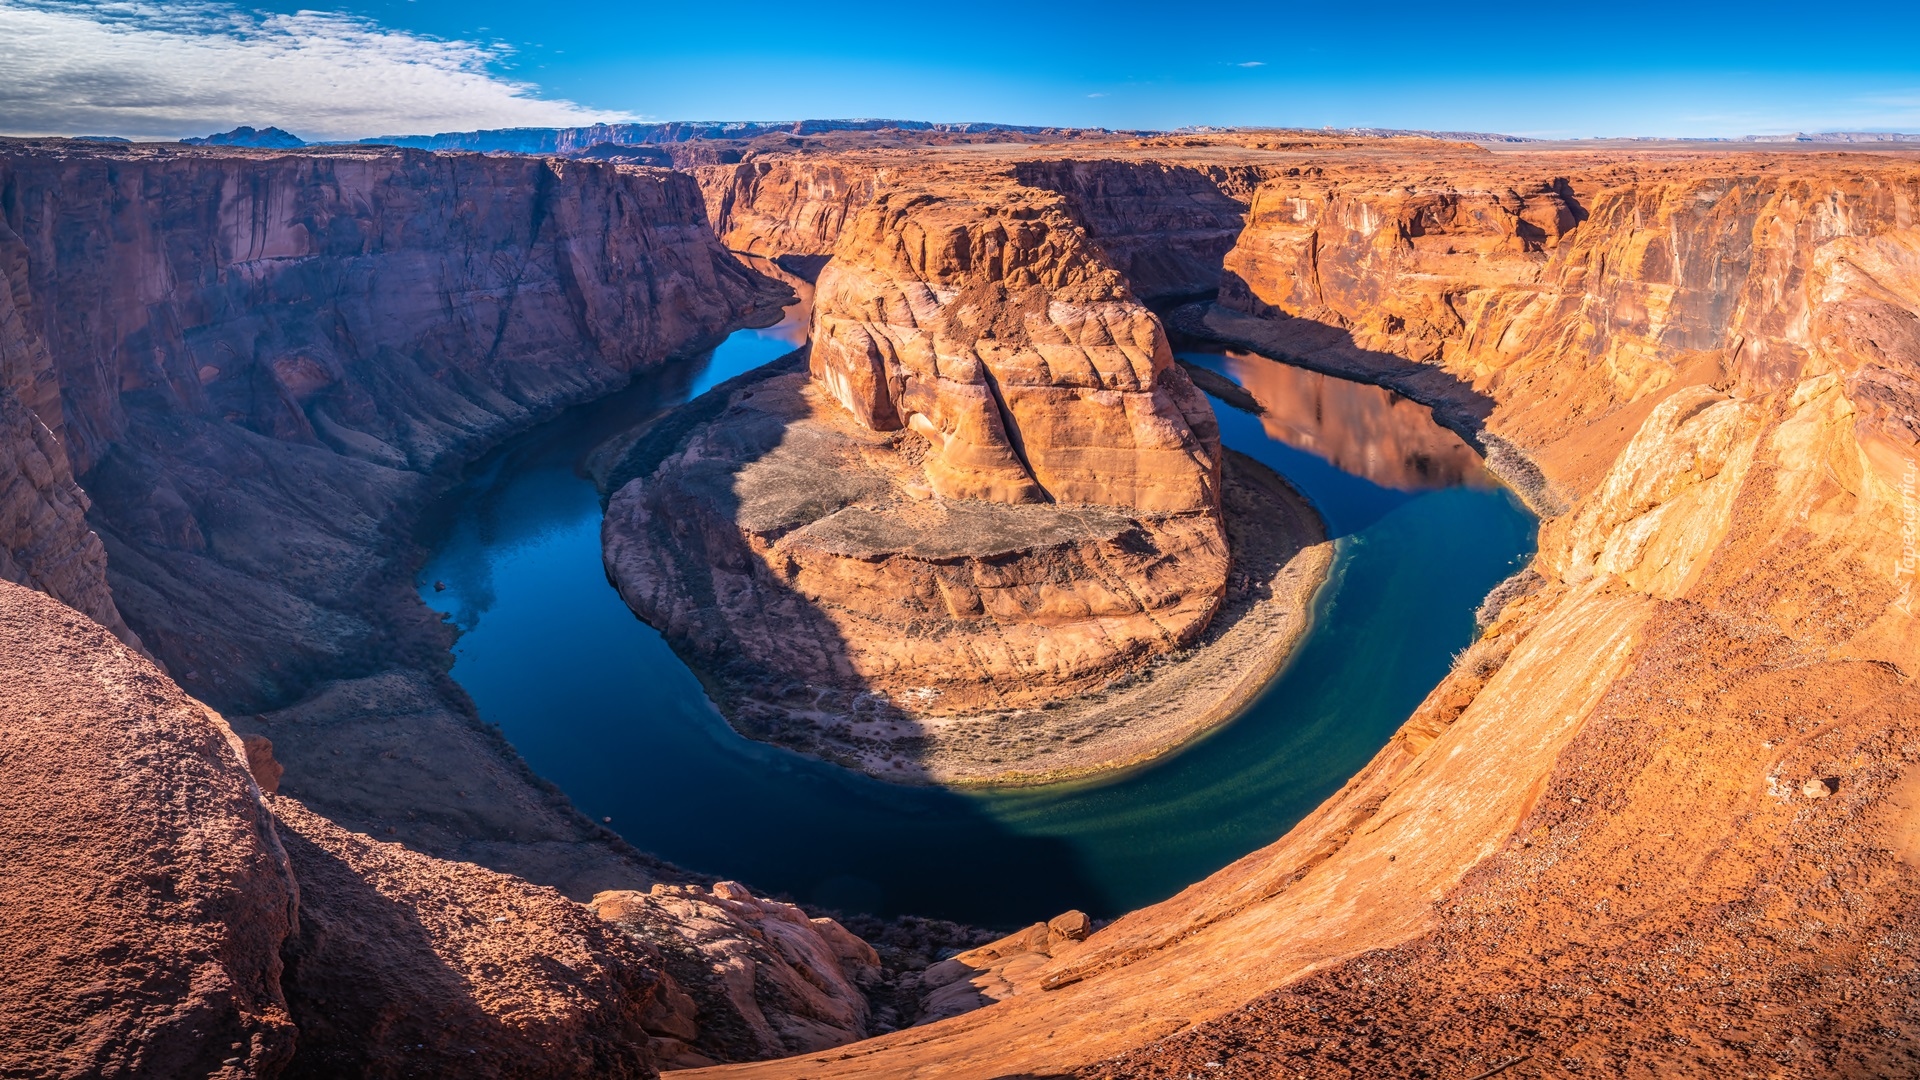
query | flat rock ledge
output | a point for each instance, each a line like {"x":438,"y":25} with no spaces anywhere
{"x":832,"y":605}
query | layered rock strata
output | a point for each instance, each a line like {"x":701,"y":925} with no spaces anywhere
{"x":1659,"y":821}
{"x":992,"y":491}
{"x":45,"y":541}
{"x":1166,"y":226}
{"x":1712,"y":680}
{"x":263,"y":365}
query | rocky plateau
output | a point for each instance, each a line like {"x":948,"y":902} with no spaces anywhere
{"x":1662,"y":818}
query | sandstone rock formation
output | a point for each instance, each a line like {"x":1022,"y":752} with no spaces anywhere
{"x":144,"y":892}
{"x":985,"y":322}
{"x":995,"y":491}
{"x":763,"y":978}
{"x":261,"y":365}
{"x":263,"y":358}
{"x":408,"y":964}
{"x":45,"y":542}
{"x":982,"y":976}
{"x":788,"y":206}
{"x":1658,"y":821}
{"x":1166,"y":226}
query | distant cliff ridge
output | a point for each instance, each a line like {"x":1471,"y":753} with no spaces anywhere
{"x":575,"y":140}
{"x":271,"y":138}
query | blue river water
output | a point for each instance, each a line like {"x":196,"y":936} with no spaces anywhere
{"x":598,"y":704}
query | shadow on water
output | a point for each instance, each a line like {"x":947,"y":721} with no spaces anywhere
{"x":598,"y":704}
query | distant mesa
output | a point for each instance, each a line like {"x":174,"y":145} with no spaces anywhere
{"x":1329,"y":131}
{"x":101,"y":139}
{"x":628,"y":155}
{"x":271,"y":138}
{"x":583,"y":141}
{"x":1838,"y":137}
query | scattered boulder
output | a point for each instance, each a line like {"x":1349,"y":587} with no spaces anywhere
{"x":765,"y":979}
{"x":994,"y":971}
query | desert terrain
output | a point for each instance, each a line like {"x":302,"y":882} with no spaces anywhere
{"x":1660,"y":818}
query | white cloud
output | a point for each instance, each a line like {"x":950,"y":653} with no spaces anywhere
{"x":164,"y":70}
{"x":1252,"y":63}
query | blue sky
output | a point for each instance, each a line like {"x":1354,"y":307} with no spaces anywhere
{"x":368,"y":67}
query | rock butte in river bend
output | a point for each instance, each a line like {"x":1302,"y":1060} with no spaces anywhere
{"x":1663,"y":819}
{"x":995,"y":491}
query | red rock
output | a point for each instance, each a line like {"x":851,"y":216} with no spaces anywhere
{"x":1706,"y":357}
{"x":997,"y":491}
{"x":765,"y":979}
{"x":406,"y":963}
{"x":144,"y":893}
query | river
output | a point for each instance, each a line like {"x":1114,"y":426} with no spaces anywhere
{"x":598,"y":704}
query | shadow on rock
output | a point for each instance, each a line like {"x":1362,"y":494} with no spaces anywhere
{"x":408,"y":966}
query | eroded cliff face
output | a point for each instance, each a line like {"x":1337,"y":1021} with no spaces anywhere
{"x":45,"y":542}
{"x":986,"y":322}
{"x":263,"y":359}
{"x":1660,"y":819}
{"x":789,"y":206}
{"x":1166,"y":225}
{"x":263,"y":365}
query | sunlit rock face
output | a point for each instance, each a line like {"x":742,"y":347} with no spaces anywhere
{"x":991,"y":488}
{"x":984,"y":321}
{"x":1714,"y":361}
{"x":144,"y":894}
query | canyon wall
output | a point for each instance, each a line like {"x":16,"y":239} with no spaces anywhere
{"x":263,"y":366}
{"x":261,"y":359}
{"x":1660,"y":819}
{"x":45,"y":542}
{"x":788,"y":206}
{"x":1165,"y":225}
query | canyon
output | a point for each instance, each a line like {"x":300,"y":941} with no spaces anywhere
{"x":992,"y":491}
{"x":1659,"y":819}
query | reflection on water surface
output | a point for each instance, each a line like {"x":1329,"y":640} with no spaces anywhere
{"x":1363,"y":429}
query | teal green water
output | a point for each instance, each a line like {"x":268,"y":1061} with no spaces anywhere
{"x":598,"y":704}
